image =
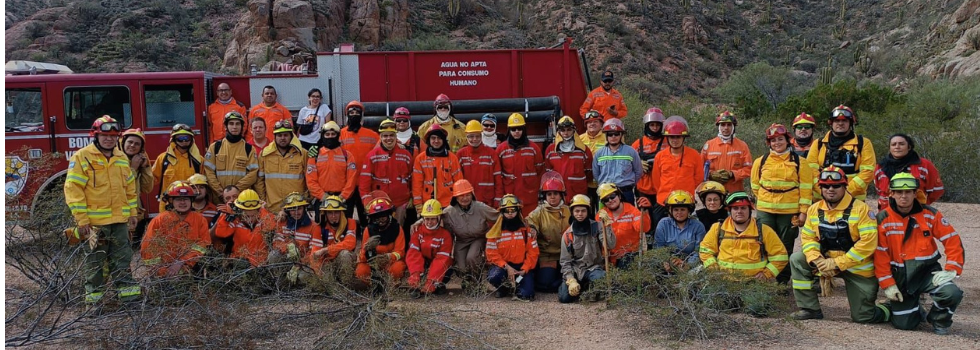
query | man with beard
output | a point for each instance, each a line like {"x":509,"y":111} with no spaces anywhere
{"x":444,"y":117}
{"x":330,"y":170}
{"x":384,"y":245}
{"x":430,"y":253}
{"x":181,"y":160}
{"x":231,"y":161}
{"x":839,"y":239}
{"x":358,"y":141}
{"x":435,"y":170}
{"x":480,"y":165}
{"x":512,"y":252}
{"x":281,"y":168}
{"x":222,"y":105}
{"x":335,"y":253}
{"x":521,"y":164}
{"x":388,"y":168}
{"x":605,"y":99}
{"x":803,"y":134}
{"x":176,"y":238}
{"x":648,"y":146}
{"x":617,"y":163}
{"x":569,"y":157}
{"x":582,"y":261}
{"x":407,"y":138}
{"x":270,"y":110}
{"x":842,"y":148}
{"x":728,"y":157}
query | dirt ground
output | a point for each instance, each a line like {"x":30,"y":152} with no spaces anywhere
{"x":546,"y":324}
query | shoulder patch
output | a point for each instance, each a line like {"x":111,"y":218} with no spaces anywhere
{"x":944,"y":221}
{"x":310,"y":169}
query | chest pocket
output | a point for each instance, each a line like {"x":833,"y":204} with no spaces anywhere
{"x":294,"y":168}
{"x":240,"y":162}
{"x":842,"y":158}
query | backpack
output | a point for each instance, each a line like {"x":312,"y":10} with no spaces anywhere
{"x":860,"y":147}
{"x":762,"y":245}
{"x":796,"y":159}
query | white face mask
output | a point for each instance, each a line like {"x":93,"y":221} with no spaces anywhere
{"x":443,"y":114}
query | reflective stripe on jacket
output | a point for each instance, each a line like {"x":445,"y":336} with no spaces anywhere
{"x":216,"y":118}
{"x":858,"y":183}
{"x":331,"y":171}
{"x":514,"y":247}
{"x":521,"y":170}
{"x":780,"y":189}
{"x":170,"y":238}
{"x":627,"y":227}
{"x":432,"y":246}
{"x":733,"y":156}
{"x":645,"y":145}
{"x":903,"y":251}
{"x":305,"y":238}
{"x":481,"y":168}
{"x":575,"y":168}
{"x":599,"y":99}
{"x":741,"y":252}
{"x":388,"y":171}
{"x":581,"y":252}
{"x":550,"y":224}
{"x":433,"y":177}
{"x":931,"y":187}
{"x":456,"y":139}
{"x":271,"y":115}
{"x":279,"y":175}
{"x":231,"y":166}
{"x":358,"y":143}
{"x":864,"y":233}
{"x":100,"y":191}
{"x":621,"y":167}
{"x":249,"y":241}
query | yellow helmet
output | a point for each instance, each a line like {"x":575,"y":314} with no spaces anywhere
{"x":711,"y":187}
{"x":331,"y":125}
{"x":248,"y":200}
{"x":431,"y":209}
{"x":515,"y":120}
{"x":903,"y":181}
{"x":387,"y":125}
{"x":474,"y":126}
{"x":679,"y":198}
{"x":293,"y":200}
{"x":197,"y":179}
{"x":606,"y":189}
{"x":510,"y":201}
{"x":333,"y":203}
{"x":580,"y":200}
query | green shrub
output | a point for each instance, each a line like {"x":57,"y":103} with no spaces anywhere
{"x":758,"y":89}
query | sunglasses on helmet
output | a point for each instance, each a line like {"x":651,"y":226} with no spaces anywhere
{"x":830,"y":176}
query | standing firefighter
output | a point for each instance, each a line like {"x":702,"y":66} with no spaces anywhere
{"x":181,"y":160}
{"x":854,"y":154}
{"x":331,"y":170}
{"x":617,"y":163}
{"x":582,"y":261}
{"x":512,"y":252}
{"x":681,"y":168}
{"x":728,"y":157}
{"x":100,"y":190}
{"x":178,"y":237}
{"x":648,"y":146}
{"x":430,"y":252}
{"x":407,"y":138}
{"x":907,"y":260}
{"x":480,"y":165}
{"x":436,"y":169}
{"x":839,"y":239}
{"x":594,"y":139}
{"x":359,"y":141}
{"x":231,"y":160}
{"x":455,"y":137}
{"x":388,"y":168}
{"x":570,"y":158}
{"x":521,"y":163}
{"x":281,"y":168}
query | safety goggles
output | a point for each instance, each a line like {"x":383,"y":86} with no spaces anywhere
{"x":609,"y":198}
{"x":283,"y":124}
{"x":179,"y":127}
{"x":183,"y":138}
{"x":803,"y":127}
{"x":509,"y":211}
{"x":109,"y":127}
{"x":842,"y":114}
{"x":249,"y":203}
{"x":354,"y":109}
{"x":834,"y":186}
{"x":903,"y":184}
{"x":831,"y":176}
{"x":293,"y":199}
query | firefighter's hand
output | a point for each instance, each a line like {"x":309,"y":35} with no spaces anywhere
{"x":728,"y":174}
{"x":372,"y":243}
{"x":281,"y":215}
{"x":643,"y":203}
{"x":604,"y":216}
{"x":131,"y":225}
{"x":826,"y":266}
{"x":225,"y":208}
{"x":573,"y":287}
{"x":893,"y":294}
{"x":797,"y":220}
{"x":174,"y":269}
{"x":84,"y":231}
{"x":715,"y":176}
{"x":93,"y":237}
{"x":414,"y":279}
{"x":320,"y":252}
{"x":612,"y":111}
{"x":533,"y":233}
{"x":647,"y":165}
{"x":761,"y":276}
{"x":293,"y":274}
{"x":292,"y":252}
{"x":511,"y":273}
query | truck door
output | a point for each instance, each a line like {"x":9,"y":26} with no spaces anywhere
{"x":27,"y":138}
{"x":167,"y":104}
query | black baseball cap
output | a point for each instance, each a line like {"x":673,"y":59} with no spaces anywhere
{"x":607,"y":76}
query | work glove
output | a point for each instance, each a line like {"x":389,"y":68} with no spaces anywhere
{"x":727,"y":174}
{"x":573,"y":287}
{"x":643,"y":203}
{"x":292,"y":252}
{"x":893,"y":294}
{"x":826,"y":286}
{"x":293,"y":274}
{"x":827,"y":266}
{"x":716,"y":176}
{"x":372,"y":243}
{"x":93,"y":236}
{"x":940,"y":277}
{"x":604,"y":216}
{"x":647,"y":165}
{"x":414,"y":279}
{"x":174,"y":269}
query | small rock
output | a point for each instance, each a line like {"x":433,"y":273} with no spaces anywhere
{"x":844,"y":44}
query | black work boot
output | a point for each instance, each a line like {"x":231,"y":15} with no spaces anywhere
{"x":807,"y":314}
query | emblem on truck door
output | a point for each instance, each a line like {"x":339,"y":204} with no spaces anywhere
{"x":15,"y":175}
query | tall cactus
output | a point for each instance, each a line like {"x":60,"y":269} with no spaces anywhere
{"x":827,"y":73}
{"x":452,"y":9}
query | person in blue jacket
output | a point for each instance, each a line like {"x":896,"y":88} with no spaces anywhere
{"x":679,"y":232}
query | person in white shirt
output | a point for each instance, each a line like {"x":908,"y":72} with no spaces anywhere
{"x":311,"y":118}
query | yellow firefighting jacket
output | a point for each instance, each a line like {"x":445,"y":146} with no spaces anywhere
{"x":100,"y":191}
{"x":859,"y":259}
{"x":279,"y":175}
{"x":232,"y":165}
{"x":784,"y":184}
{"x":745,"y":253}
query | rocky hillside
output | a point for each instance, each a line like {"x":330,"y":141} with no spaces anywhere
{"x":661,"y":48}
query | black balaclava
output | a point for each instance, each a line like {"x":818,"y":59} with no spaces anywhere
{"x":437,"y":152}
{"x":330,"y":143}
{"x":656,"y":135}
{"x":512,"y":224}
{"x":354,"y":122}
{"x":234,"y":138}
{"x":515,"y":143}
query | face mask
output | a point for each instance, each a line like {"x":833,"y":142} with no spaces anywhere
{"x":442,"y":114}
{"x":354,"y":121}
{"x":331,"y":143}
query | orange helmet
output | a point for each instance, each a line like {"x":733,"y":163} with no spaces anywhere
{"x":832,"y":175}
{"x":461,"y":187}
{"x":804,"y":118}
{"x":775,"y":130}
{"x":354,"y":104}
{"x":843,"y":112}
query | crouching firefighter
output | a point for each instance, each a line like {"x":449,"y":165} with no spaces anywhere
{"x":335,"y":257}
{"x":384,"y":244}
{"x":907,"y":260}
{"x":430,"y":253}
{"x":512,"y":251}
{"x":295,"y":236}
{"x":582,"y":255}
{"x":838,"y":239}
{"x":176,"y":238}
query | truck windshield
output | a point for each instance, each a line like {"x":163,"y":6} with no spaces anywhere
{"x":24,"y":112}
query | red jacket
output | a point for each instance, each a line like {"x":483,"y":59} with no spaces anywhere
{"x":170,"y":238}
{"x":305,"y":238}
{"x":388,"y":171}
{"x":575,"y":168}
{"x":930,"y":185}
{"x":895,"y":248}
{"x":433,"y":246}
{"x":515,"y":247}
{"x":481,"y":168}
{"x":521,"y":171}
{"x":249,"y":242}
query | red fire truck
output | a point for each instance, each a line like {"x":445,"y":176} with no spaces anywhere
{"x":51,"y":114}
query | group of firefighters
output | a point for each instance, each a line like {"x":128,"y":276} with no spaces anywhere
{"x":341,"y":204}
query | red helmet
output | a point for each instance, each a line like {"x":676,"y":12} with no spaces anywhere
{"x":552,"y":185}
{"x":843,"y":112}
{"x":832,"y":175}
{"x":653,"y":115}
{"x":442,"y":99}
{"x":675,"y":126}
{"x":775,"y":130}
{"x":436,"y":128}
{"x":613,"y":124}
{"x":402,"y":113}
{"x":726,"y":117}
{"x":180,"y":189}
{"x":379,"y":206}
{"x":105,"y":125}
{"x":804,"y":118}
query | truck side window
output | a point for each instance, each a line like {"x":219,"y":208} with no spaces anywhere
{"x":24,"y":112}
{"x":167,"y":105}
{"x":85,"y":104}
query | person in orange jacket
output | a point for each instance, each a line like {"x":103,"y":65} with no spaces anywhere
{"x":571,"y":158}
{"x":270,"y":110}
{"x":512,"y":252}
{"x":219,"y":108}
{"x":626,"y":221}
{"x":679,"y":169}
{"x":384,"y":245}
{"x":480,"y":165}
{"x":388,"y":168}
{"x":728,"y":157}
{"x":335,"y":252}
{"x":907,"y":260}
{"x":358,"y":141}
{"x":648,"y":146}
{"x":176,"y":238}
{"x":521,"y":164}
{"x":605,"y":99}
{"x":247,"y":227}
{"x":331,"y":170}
{"x":430,"y":252}
{"x":902,"y":157}
{"x":294,"y":238}
{"x":203,"y":201}
{"x":436,"y":169}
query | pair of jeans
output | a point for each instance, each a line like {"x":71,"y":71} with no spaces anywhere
{"x":525,"y":289}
